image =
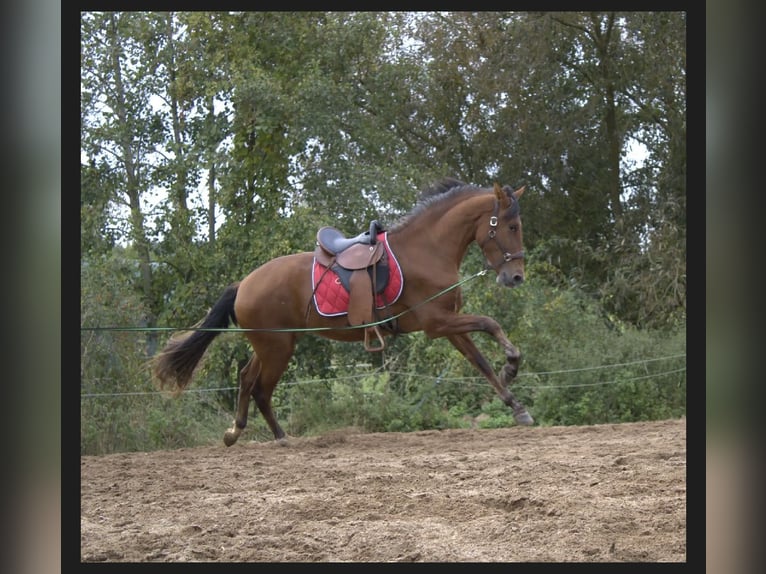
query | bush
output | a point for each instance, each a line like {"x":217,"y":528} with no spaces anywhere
{"x":579,"y":366}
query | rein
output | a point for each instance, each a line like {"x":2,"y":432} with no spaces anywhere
{"x":298,"y":329}
{"x":492,"y":233}
{"x":492,"y":236}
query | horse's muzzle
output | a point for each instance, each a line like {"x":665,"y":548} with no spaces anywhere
{"x":512,"y":279}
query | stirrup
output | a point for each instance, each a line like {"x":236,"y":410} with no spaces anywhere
{"x":367,"y":345}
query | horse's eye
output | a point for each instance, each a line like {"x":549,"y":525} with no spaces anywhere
{"x":514,"y":228}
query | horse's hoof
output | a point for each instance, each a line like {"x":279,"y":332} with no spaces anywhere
{"x":229,"y":438}
{"x":523,"y":418}
{"x":282,"y":441}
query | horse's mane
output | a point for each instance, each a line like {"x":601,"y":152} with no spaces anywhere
{"x":442,"y":186}
{"x":436,"y":192}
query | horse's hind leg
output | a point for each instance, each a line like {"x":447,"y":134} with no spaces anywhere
{"x":258,"y":379}
{"x":271,"y":371}
{"x":248,"y":377}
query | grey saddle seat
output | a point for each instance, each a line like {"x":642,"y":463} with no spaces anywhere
{"x":333,"y":241}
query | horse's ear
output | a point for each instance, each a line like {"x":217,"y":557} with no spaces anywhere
{"x":502,"y":197}
{"x":519,"y":192}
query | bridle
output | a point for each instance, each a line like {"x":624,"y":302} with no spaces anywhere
{"x":492,"y":234}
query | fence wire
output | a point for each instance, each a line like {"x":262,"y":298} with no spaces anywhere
{"x":474,"y":380}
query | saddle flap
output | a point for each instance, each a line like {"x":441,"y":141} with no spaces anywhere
{"x":360,"y":298}
{"x":360,"y":256}
{"x":323,"y":257}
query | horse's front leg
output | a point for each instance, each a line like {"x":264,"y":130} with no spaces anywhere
{"x":466,"y":346}
{"x":459,"y":324}
{"x":457,"y":327}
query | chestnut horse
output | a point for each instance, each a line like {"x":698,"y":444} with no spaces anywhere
{"x":273,"y":305}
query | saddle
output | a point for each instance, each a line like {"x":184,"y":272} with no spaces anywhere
{"x":361,"y":263}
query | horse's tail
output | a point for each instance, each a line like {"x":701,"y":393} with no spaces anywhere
{"x":174,"y":366}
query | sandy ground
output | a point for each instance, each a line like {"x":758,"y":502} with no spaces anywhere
{"x":604,"y":493}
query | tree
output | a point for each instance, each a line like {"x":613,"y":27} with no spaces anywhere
{"x":119,"y":127}
{"x":215,"y":141}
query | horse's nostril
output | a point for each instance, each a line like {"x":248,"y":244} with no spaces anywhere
{"x":510,"y":279}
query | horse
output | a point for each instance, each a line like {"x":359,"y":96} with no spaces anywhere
{"x":274,"y":304}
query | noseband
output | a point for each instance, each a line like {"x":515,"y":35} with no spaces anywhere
{"x":492,"y":233}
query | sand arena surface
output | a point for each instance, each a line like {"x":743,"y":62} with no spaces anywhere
{"x":603,"y":493}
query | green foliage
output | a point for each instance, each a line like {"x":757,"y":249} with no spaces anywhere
{"x":148,"y":422}
{"x":579,"y":367}
{"x":120,"y":410}
{"x":569,"y":337}
{"x":494,"y":414}
{"x":370,"y":404}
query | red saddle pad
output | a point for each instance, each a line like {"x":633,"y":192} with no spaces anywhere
{"x":331,"y":297}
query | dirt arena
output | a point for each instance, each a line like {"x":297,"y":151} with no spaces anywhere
{"x":604,"y":493}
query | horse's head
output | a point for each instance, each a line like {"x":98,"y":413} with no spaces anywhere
{"x":501,"y":239}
